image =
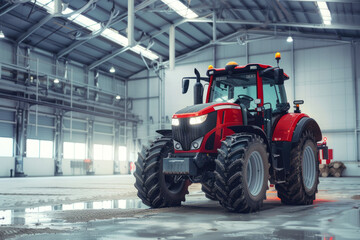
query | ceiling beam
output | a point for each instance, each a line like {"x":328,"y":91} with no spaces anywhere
{"x":124,"y":49}
{"x":280,"y":24}
{"x":118,"y":19}
{"x":7,"y":8}
{"x":33,"y":29}
{"x":108,"y":57}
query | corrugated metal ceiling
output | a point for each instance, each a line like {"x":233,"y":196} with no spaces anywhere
{"x":245,"y":16}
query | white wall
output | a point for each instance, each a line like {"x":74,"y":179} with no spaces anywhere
{"x":34,"y":167}
{"x":323,"y":78}
{"x":6,"y":164}
{"x":103,"y":167}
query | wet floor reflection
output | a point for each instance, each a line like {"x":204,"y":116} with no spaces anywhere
{"x":27,"y":216}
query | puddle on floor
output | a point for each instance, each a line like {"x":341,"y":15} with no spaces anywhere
{"x":35,"y":215}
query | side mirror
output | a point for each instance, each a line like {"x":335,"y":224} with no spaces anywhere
{"x":279,"y":76}
{"x":185,"y":86}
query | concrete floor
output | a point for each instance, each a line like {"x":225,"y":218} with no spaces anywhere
{"x":106,"y":207}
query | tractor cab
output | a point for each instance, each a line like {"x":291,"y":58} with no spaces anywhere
{"x":258,"y":89}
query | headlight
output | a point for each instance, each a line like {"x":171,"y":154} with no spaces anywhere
{"x":175,"y":122}
{"x":198,"y":120}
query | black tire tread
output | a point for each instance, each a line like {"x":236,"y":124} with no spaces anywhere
{"x":147,"y":175}
{"x":229,"y":176}
{"x":293,"y":191}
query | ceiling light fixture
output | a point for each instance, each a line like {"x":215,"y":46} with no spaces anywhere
{"x":118,"y":97}
{"x":325,"y":12}
{"x":180,"y":8}
{"x":289,"y":39}
{"x":56,"y":81}
{"x":112,"y":69}
{"x":93,"y":26}
{"x":2,"y":35}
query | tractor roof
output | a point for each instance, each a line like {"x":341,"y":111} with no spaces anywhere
{"x":232,"y":67}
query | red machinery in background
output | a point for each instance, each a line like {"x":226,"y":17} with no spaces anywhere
{"x":325,"y":154}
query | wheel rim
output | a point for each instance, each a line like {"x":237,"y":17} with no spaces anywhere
{"x":308,"y":168}
{"x":255,"y":173}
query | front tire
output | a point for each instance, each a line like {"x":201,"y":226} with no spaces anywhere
{"x":242,"y":173}
{"x":208,"y":187}
{"x":302,"y":184}
{"x":156,"y":189}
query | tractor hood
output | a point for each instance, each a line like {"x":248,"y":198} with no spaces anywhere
{"x":201,"y":127}
{"x":201,"y":109}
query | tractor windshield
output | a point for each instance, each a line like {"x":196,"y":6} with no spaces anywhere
{"x":241,"y":88}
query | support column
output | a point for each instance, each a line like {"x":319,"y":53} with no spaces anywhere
{"x":214,"y":38}
{"x":172,"y":47}
{"x":20,"y":136}
{"x":58,"y":143}
{"x":131,"y":18}
{"x":90,"y":147}
{"x":293,"y":68}
{"x":356,"y":98}
{"x":247,"y":52}
{"x":116,"y":144}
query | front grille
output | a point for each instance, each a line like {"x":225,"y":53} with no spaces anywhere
{"x":186,"y":133}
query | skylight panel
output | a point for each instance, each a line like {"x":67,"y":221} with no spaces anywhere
{"x":325,"y":12}
{"x":180,"y":8}
{"x":94,"y":26}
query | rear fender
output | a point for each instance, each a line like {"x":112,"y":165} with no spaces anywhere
{"x":288,"y":132}
{"x":306,"y":124}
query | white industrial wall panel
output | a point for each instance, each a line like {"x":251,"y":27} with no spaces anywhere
{"x":74,"y":137}
{"x":6,"y":130}
{"x":45,"y":64}
{"x":323,"y":78}
{"x":229,"y":53}
{"x":102,"y":139}
{"x":198,"y":57}
{"x":6,"y":163}
{"x":137,"y":88}
{"x":124,"y":167}
{"x":34,"y":167}
{"x":106,"y":83}
{"x":78,"y":125}
{"x":78,"y":75}
{"x":6,"y":52}
{"x":103,"y":167}
{"x":69,"y":171}
{"x":139,"y":108}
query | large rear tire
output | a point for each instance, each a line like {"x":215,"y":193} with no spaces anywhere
{"x":156,"y":189}
{"x":242,"y":173}
{"x":302,"y":184}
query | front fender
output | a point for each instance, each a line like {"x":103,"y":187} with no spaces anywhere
{"x":252,"y":129}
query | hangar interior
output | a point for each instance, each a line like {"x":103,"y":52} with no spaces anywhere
{"x":84,"y":84}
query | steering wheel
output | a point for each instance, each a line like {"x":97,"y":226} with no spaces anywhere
{"x":244,"y":99}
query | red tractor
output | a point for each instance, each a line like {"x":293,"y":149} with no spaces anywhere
{"x":241,"y":138}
